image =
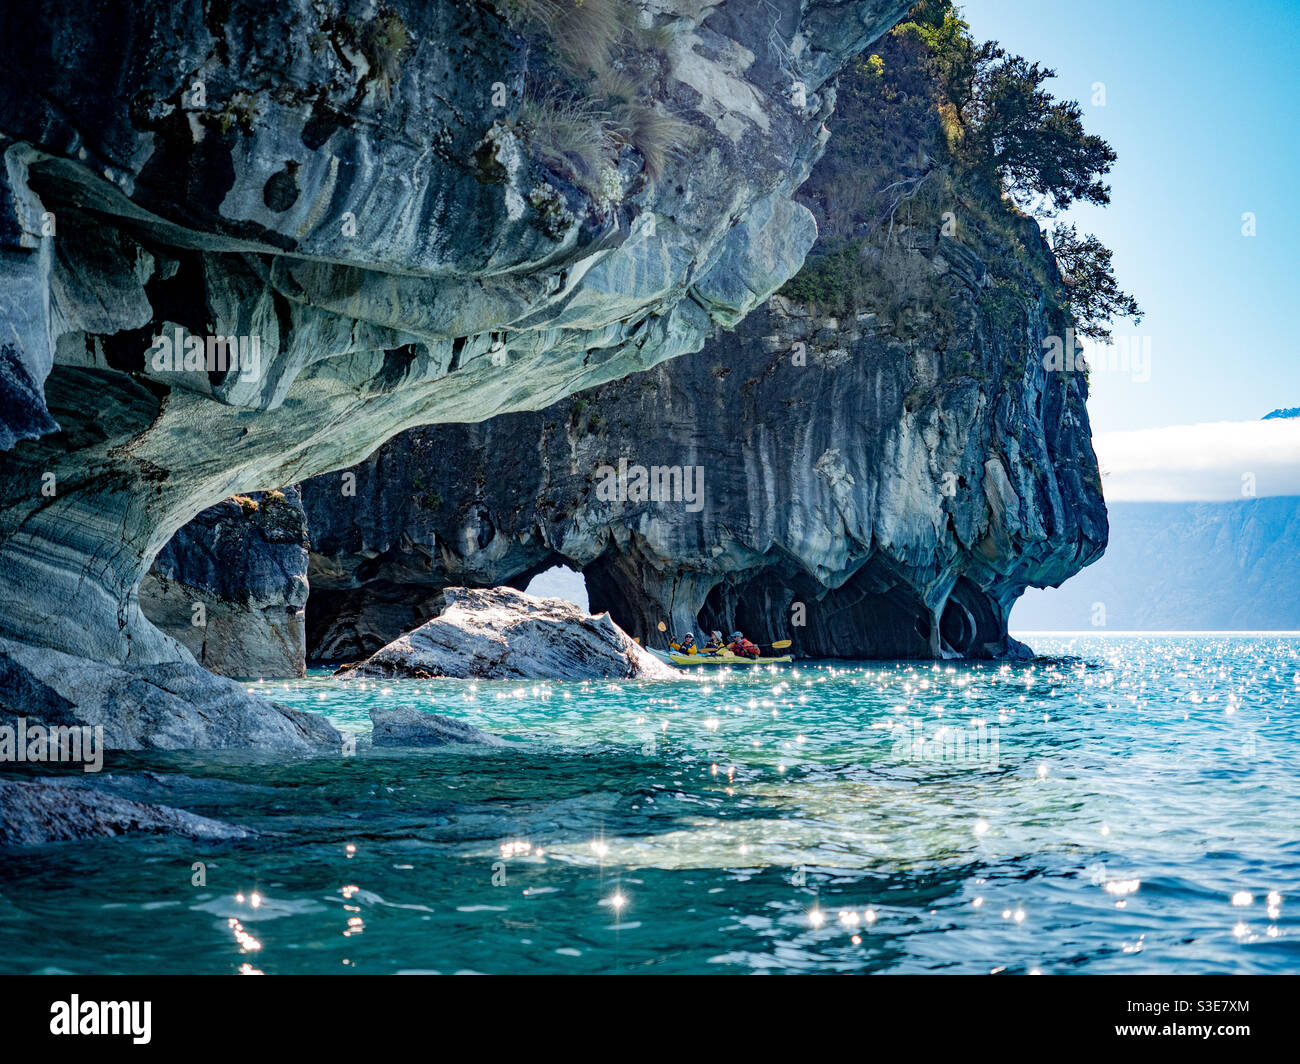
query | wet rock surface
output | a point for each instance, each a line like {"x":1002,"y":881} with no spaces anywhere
{"x":34,"y":812}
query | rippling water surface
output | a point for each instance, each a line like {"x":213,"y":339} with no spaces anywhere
{"x":1124,"y":804}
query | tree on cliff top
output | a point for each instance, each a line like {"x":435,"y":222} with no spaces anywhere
{"x":932,"y":99}
{"x":1005,"y":126}
{"x":1008,"y":126}
{"x":1034,"y":143}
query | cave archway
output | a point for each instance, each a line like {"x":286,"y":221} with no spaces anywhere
{"x":560,"y":581}
{"x":875,"y":614}
{"x":350,"y":618}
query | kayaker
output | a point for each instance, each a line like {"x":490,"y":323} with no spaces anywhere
{"x":686,"y":646}
{"x":742,"y":647}
{"x":715,"y":642}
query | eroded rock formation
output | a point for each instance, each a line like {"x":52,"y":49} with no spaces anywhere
{"x":876,"y":463}
{"x":356,"y":197}
{"x":903,"y":493}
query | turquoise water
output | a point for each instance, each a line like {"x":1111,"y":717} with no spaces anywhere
{"x":1140,"y":812}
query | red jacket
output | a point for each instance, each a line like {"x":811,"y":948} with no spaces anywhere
{"x":744,"y":648}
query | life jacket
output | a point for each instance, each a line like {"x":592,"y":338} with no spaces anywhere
{"x":743,"y":648}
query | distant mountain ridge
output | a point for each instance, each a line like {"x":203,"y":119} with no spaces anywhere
{"x":1290,"y":411}
{"x":1183,"y":565}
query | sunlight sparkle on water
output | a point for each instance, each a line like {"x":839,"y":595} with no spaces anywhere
{"x":1153,"y":800}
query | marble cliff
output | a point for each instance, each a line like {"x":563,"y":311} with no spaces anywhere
{"x":397,"y":214}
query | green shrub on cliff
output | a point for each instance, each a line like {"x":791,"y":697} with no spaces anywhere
{"x":937,"y":135}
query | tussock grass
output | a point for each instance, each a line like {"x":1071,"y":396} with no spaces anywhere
{"x":658,"y":38}
{"x":657,"y":135}
{"x":616,"y":85}
{"x":583,"y":33}
{"x":571,"y":137}
{"x":580,"y":131}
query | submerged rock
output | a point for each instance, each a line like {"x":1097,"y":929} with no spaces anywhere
{"x":43,"y":810}
{"x":408,"y":726}
{"x":503,"y":634}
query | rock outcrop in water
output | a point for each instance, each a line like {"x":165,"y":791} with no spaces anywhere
{"x":171,"y":706}
{"x":503,"y":634}
{"x":376,"y":206}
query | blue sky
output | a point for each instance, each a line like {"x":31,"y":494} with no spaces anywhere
{"x":1203,"y":108}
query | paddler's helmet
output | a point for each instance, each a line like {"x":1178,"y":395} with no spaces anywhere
{"x":688,"y":638}
{"x":716,"y":636}
{"x":736,"y":635}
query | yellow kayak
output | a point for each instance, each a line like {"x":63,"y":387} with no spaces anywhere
{"x":723,"y":657}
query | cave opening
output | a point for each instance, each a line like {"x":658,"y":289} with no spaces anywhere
{"x":560,"y":581}
{"x":969,"y":623}
{"x":875,"y":614}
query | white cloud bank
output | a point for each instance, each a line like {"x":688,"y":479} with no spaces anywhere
{"x":1215,"y":461}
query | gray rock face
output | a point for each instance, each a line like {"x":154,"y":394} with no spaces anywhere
{"x":168,"y":706}
{"x":342,"y":195}
{"x":232,"y":584}
{"x":503,"y":634}
{"x":407,"y":726}
{"x":41,"y":811}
